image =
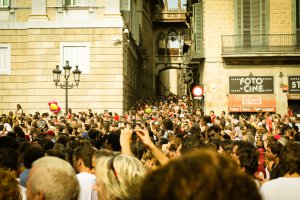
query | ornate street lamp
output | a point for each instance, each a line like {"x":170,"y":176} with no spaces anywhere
{"x":65,"y":84}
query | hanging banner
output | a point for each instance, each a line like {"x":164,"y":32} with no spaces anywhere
{"x":251,"y":85}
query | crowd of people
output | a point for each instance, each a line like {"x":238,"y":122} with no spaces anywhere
{"x":162,"y":148}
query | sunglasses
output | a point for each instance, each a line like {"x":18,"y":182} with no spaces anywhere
{"x":110,"y":166}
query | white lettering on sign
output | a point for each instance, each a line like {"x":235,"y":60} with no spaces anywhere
{"x":296,"y":84}
{"x":253,"y":88}
{"x":252,"y":84}
{"x":248,"y":81}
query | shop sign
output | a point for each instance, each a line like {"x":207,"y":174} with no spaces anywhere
{"x":294,"y":84}
{"x":251,"y":85}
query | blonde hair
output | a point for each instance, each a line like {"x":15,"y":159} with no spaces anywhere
{"x":121,"y":176}
{"x":55,"y":178}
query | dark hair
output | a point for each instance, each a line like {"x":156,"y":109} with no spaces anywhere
{"x":85,"y":153}
{"x":113,"y":139}
{"x":9,"y":158}
{"x":168,"y":124}
{"x":248,"y":157}
{"x":191,"y":143}
{"x":62,"y":139}
{"x":290,"y":158}
{"x":297,"y":137}
{"x":200,"y":175}
{"x":46,"y":144}
{"x":31,"y":154}
{"x":6,"y":141}
{"x":227,"y":146}
{"x":276,"y":148}
{"x":93,"y":134}
{"x":137,"y":148}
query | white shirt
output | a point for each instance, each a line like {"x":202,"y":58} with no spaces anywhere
{"x":281,"y":188}
{"x":86,"y":182}
{"x":23,"y":192}
{"x":8,"y":128}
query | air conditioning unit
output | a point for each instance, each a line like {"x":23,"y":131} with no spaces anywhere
{"x":125,"y":5}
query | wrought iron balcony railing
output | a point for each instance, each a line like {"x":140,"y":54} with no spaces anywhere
{"x":261,"y":43}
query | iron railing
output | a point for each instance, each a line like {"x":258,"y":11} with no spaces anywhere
{"x":260,"y":43}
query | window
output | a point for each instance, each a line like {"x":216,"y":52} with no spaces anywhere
{"x":4,"y":3}
{"x":77,"y":2}
{"x":172,"y":4}
{"x":251,"y":18}
{"x":77,"y":54}
{"x":173,"y":44}
{"x":5,"y":59}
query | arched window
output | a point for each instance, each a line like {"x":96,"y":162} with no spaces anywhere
{"x":173,"y":44}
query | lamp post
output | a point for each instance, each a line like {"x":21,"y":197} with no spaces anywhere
{"x":65,"y":84}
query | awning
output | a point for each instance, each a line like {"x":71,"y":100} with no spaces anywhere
{"x":251,"y":103}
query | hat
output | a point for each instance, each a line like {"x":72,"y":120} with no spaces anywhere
{"x":50,"y":133}
{"x":277,"y":137}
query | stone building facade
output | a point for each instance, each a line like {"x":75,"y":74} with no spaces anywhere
{"x":257,"y":40}
{"x":104,"y":38}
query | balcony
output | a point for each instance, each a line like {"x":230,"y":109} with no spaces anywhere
{"x":165,"y":14}
{"x":261,"y":49}
{"x":196,"y":50}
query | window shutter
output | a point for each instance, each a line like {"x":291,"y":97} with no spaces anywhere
{"x":298,"y":16}
{"x":77,"y":55}
{"x":297,"y":19}
{"x":256,"y":14}
{"x":4,"y":59}
{"x":198,"y":24}
{"x":125,"y":5}
{"x":6,"y":2}
{"x":68,"y":2}
{"x":251,"y":18}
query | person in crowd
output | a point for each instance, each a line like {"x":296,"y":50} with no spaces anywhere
{"x":9,"y":161}
{"x":199,"y":175}
{"x":31,"y":154}
{"x":9,"y":189}
{"x":52,"y":178}
{"x":287,"y":186}
{"x":272,"y":160}
{"x":172,"y":116}
{"x":83,"y":166}
{"x":19,"y":111}
{"x":118,"y":177}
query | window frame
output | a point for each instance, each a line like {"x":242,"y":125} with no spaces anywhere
{"x":85,"y":70}
{"x":7,"y":70}
{"x":4,"y":6}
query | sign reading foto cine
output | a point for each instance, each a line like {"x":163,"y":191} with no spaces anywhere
{"x":251,"y":85}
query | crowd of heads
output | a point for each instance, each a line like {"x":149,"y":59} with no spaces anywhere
{"x":195,"y":154}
